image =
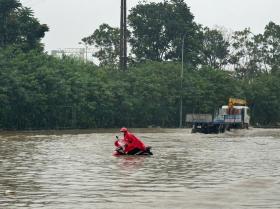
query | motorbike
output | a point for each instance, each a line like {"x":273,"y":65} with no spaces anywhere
{"x":120,"y":150}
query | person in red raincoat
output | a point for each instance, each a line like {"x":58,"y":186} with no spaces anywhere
{"x":131,"y":143}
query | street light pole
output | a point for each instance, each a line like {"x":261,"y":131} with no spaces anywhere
{"x":182,"y":74}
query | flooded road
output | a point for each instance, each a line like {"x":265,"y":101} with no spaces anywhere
{"x":64,"y":170}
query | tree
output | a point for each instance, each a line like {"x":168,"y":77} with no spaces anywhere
{"x":271,"y":46}
{"x":19,"y":26}
{"x":106,"y":40}
{"x":264,"y":93}
{"x":246,"y":54}
{"x":215,"y":49}
{"x":254,"y":54}
{"x":158,"y":30}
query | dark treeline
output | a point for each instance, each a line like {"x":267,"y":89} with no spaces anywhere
{"x":38,"y":91}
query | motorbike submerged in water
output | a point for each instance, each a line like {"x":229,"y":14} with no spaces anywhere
{"x":119,"y":151}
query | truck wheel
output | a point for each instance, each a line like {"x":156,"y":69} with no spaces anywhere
{"x":228,"y":128}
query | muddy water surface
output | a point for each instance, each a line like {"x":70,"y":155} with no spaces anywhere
{"x":77,"y":170}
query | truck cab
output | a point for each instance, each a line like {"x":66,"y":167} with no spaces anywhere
{"x":235,"y":116}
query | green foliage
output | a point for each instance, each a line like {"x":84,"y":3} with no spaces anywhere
{"x":215,"y":49}
{"x":158,"y":30}
{"x":244,"y":55}
{"x":253,"y":54}
{"x":106,"y":40}
{"x":271,"y":46}
{"x":19,"y":26}
{"x":38,"y":91}
{"x":41,"y":92}
{"x":264,"y":93}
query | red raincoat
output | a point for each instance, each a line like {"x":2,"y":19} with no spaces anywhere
{"x":130,"y":142}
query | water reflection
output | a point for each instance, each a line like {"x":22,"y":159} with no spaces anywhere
{"x":130,"y":163}
{"x":232,"y":170}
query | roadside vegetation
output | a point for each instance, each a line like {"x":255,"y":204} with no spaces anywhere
{"x":38,"y":91}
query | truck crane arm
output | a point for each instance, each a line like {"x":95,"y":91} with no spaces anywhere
{"x":233,"y":101}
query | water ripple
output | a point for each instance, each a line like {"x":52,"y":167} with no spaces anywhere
{"x":232,"y":170}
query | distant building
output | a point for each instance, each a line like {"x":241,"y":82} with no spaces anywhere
{"x":71,"y":52}
{"x":80,"y":53}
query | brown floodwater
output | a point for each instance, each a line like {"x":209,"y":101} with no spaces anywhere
{"x":63,"y":170}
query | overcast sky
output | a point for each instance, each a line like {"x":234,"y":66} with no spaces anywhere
{"x":71,"y":20}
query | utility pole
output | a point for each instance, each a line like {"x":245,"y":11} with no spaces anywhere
{"x":123,"y":36}
{"x":182,"y":74}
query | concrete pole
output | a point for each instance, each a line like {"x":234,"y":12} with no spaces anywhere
{"x":123,"y":36}
{"x":182,"y":74}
